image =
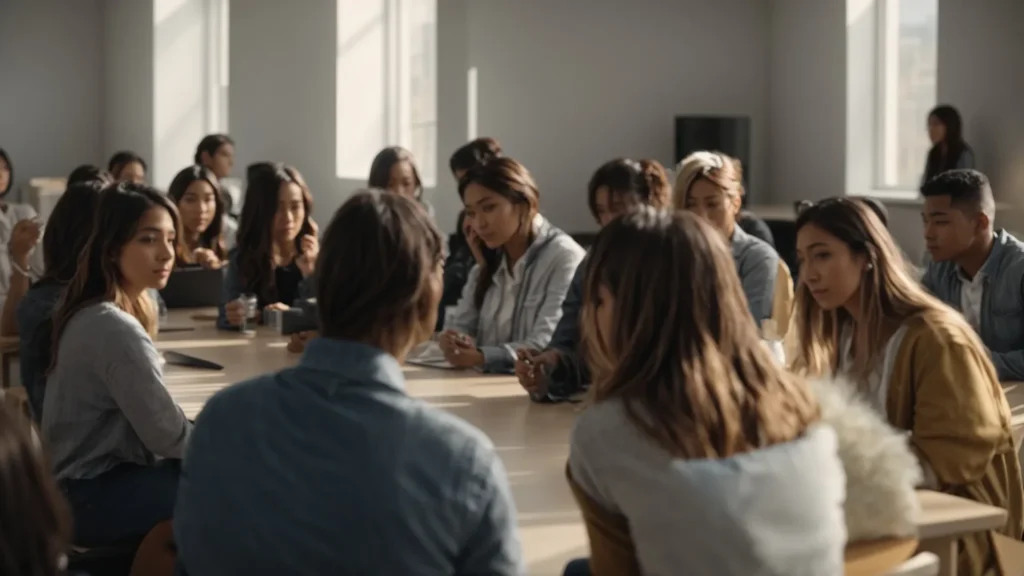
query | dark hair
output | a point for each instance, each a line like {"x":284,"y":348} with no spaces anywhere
{"x":10,"y":169}
{"x":68,"y":229}
{"x":89,"y":173}
{"x":644,"y":180}
{"x":377,"y":277}
{"x":683,"y":352}
{"x":512,"y":181}
{"x":35,"y":525}
{"x":123,"y":158}
{"x":255,"y":242}
{"x":385,"y":160}
{"x":120,"y":208}
{"x":211,"y":237}
{"x":210,"y":144}
{"x":474,"y":153}
{"x":262,"y":166}
{"x":969,"y":191}
{"x":938,"y":160}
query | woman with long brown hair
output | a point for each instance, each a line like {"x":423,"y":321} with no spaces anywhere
{"x":861,"y":313}
{"x":114,"y":432}
{"x":518,"y":303}
{"x":277,"y":244}
{"x":35,"y":527}
{"x":699,"y":454}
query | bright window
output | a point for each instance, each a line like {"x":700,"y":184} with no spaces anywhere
{"x":217,"y":25}
{"x":907,"y":64}
{"x":386,"y":83}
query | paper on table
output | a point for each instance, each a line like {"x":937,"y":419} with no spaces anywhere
{"x":428,"y":354}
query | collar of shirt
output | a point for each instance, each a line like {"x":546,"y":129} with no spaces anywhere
{"x":354,"y":360}
{"x":990,"y":262}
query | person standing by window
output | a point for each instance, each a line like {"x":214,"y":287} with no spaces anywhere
{"x":949,"y":151}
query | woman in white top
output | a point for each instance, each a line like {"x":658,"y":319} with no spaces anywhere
{"x":699,"y":454}
{"x":20,"y":231}
{"x":217,"y":152}
{"x":519,"y":304}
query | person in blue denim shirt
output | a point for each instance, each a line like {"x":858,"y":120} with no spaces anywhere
{"x":614,"y":188}
{"x":974,"y":268}
{"x":330,"y":467}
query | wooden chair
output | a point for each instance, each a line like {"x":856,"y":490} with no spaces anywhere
{"x":157,"y":554}
{"x":877,"y":557}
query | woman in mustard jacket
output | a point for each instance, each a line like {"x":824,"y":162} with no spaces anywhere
{"x":860,"y":313}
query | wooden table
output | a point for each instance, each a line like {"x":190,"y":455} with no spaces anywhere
{"x":532,"y":439}
{"x":945,"y":519}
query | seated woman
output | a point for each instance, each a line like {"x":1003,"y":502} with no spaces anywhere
{"x":465,"y":250}
{"x":20,"y":262}
{"x":114,"y":432}
{"x":860,"y":313}
{"x":949,"y":150}
{"x":518,"y":304}
{"x":699,"y":455}
{"x":710,"y":184}
{"x":217,"y":152}
{"x":617,"y":186}
{"x":196,"y":192}
{"x":69,"y":228}
{"x":277,"y":244}
{"x":394,"y":170}
{"x":280,"y":477}
{"x":35,"y":528}
{"x":127,"y":166}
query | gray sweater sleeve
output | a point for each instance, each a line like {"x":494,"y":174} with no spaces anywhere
{"x":134,"y":378}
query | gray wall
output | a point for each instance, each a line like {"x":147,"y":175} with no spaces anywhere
{"x":50,"y":84}
{"x":981,"y":72}
{"x":282,"y":96}
{"x":807,"y":100}
{"x":568,"y":85}
{"x":127,"y":74}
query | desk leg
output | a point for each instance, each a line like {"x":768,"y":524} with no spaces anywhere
{"x":945,"y":549}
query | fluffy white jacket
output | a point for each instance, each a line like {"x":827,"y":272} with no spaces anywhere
{"x":881,"y":470}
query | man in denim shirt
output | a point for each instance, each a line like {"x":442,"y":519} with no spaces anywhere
{"x":331,"y":467}
{"x":973,"y":268}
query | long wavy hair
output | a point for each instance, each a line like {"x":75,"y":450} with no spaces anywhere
{"x":683,"y":352}
{"x":98,"y":278}
{"x":35,"y":524}
{"x":512,"y":181}
{"x":255,"y":246}
{"x":212,"y":237}
{"x":889,"y":292}
{"x":946,"y":154}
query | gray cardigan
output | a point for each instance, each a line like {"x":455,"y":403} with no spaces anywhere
{"x":551,"y":262}
{"x":105,"y":402}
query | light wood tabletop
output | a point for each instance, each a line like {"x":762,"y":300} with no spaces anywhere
{"x":532,"y":439}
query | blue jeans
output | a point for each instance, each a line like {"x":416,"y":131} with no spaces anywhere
{"x":122,"y":504}
{"x":578,"y":567}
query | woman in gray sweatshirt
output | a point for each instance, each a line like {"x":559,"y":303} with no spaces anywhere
{"x":114,"y":432}
{"x":518,"y":304}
